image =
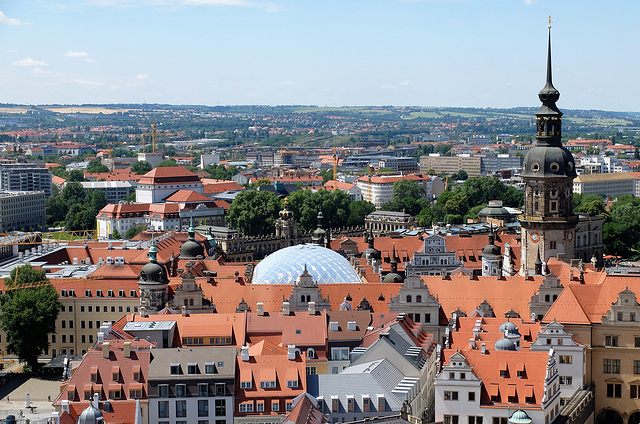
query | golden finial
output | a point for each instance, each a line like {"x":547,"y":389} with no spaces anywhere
{"x":549,"y":22}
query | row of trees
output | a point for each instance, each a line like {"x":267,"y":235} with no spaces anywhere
{"x":255,"y":212}
{"x":452,"y":206}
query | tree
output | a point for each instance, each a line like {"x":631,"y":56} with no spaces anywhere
{"x":407,"y":188}
{"x":95,"y":165}
{"x":167,"y":163}
{"x":326,"y":175}
{"x":80,"y":217}
{"x":28,"y":313}
{"x":141,"y":167}
{"x":96,"y":199}
{"x":480,"y":190}
{"x":134,"y":231}
{"x":458,"y":204}
{"x":76,"y":175}
{"x":73,"y":193}
{"x":358,"y":211}
{"x":56,"y":210}
{"x":254,"y":212}
{"x":305,"y":204}
{"x":116,"y":234}
{"x":461,"y":175}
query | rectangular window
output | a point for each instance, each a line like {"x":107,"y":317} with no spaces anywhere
{"x":292,"y":384}
{"x":192,"y":368}
{"x":203,"y":389}
{"x":175,"y":369}
{"x":245,"y":384}
{"x":351,"y":404}
{"x":472,"y":396}
{"x":163,"y":390}
{"x":611,"y":341}
{"x":566,"y":380}
{"x":475,"y":420}
{"x":210,"y":368}
{"x":275,"y":405}
{"x":288,"y":406}
{"x":221,"y":408}
{"x":451,"y":419}
{"x":260,"y":406}
{"x":220,"y":389}
{"x":637,"y":341}
{"x":566,"y":359}
{"x":181,"y":408}
{"x":163,"y":409}
{"x":636,"y":366}
{"x":246,"y":407}
{"x":181,"y":390}
{"x":203,"y":408}
{"x":312,"y":370}
{"x":450,"y":395}
{"x":634,"y":391}
{"x":340,"y":353}
{"x":366,"y":404}
{"x":614,"y":390}
{"x":335,"y":405}
{"x":606,"y":366}
{"x":499,"y":420}
{"x":382,"y":404}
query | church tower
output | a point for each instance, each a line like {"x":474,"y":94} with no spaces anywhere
{"x":548,"y":222}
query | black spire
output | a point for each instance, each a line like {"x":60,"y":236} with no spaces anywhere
{"x":549,"y":116}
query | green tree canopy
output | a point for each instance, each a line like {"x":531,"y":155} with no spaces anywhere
{"x":620,"y":233}
{"x":73,"y":193}
{"x":335,"y":206}
{"x":95,"y":165}
{"x":167,"y":163}
{"x":28,"y":313}
{"x":254,"y":212}
{"x":407,"y":188}
{"x":134,"y":231}
{"x":76,"y":175}
{"x":358,"y":211}
{"x":480,"y":190}
{"x":141,"y":167}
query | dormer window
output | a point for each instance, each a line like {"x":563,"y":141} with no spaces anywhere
{"x":99,"y":293}
{"x":271,"y":384}
{"x":175,"y":369}
{"x":87,"y":293}
{"x":110,"y":293}
{"x":120,"y":293}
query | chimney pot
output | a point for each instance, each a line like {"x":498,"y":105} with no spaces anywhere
{"x":105,"y":350}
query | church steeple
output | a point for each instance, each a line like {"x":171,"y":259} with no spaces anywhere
{"x":549,"y":117}
{"x":548,"y":221}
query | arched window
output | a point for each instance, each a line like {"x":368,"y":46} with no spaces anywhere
{"x":308,"y":298}
{"x":408,"y":298}
{"x":186,"y":302}
{"x":191,"y":302}
{"x":311,"y":353}
{"x":302,"y":298}
{"x":418,"y":298}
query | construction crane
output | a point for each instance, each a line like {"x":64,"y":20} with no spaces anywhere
{"x":153,"y":135}
{"x":46,"y":238}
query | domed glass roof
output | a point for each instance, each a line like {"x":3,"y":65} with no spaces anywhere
{"x":324,"y":265}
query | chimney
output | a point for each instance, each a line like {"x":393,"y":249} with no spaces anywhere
{"x":483,"y":348}
{"x":472,"y":343}
{"x":55,"y":417}
{"x":100,"y":337}
{"x":533,"y":317}
{"x":285,"y":308}
{"x":184,"y":311}
{"x":143,"y":311}
{"x":260,"y":311}
{"x":244,"y":353}
{"x":65,"y":405}
{"x":126,"y":348}
{"x":291,"y":352}
{"x":312,"y":308}
{"x":96,"y":400}
{"x":105,"y":350}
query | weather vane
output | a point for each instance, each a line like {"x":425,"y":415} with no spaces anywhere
{"x":549,"y":21}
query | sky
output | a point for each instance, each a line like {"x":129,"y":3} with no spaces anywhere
{"x":433,"y":53}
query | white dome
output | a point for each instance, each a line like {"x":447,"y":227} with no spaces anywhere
{"x":324,"y":265}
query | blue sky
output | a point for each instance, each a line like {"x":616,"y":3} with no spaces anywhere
{"x":471,"y":53}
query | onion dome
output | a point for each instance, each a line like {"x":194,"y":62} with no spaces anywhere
{"x":491,"y":251}
{"x":509,"y":329}
{"x":519,"y":417}
{"x":191,"y":249}
{"x":371,"y":252}
{"x":393,"y":276}
{"x":505,"y":344}
{"x":286,"y":213}
{"x":91,"y":415}
{"x":153,"y":272}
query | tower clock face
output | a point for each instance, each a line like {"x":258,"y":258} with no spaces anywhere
{"x":535,"y":237}
{"x":570,"y":236}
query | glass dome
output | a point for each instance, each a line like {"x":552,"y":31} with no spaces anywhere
{"x":324,"y":265}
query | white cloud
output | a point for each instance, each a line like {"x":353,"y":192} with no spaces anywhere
{"x":5,"y":20}
{"x":142,"y":77}
{"x":71,"y":53}
{"x":87,"y":83}
{"x":29,"y":62}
